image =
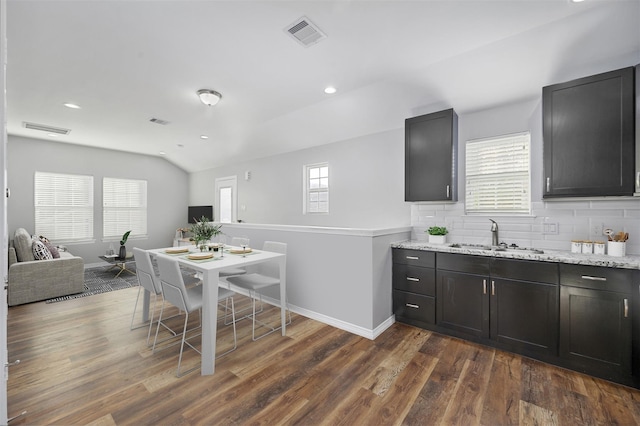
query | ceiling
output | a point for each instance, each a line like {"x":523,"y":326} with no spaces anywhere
{"x":126,"y":62}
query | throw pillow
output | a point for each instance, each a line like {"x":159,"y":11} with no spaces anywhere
{"x":54,"y":251}
{"x":22,"y":242}
{"x":40,"y":251}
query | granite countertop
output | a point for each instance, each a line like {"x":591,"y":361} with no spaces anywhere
{"x":626,"y":262}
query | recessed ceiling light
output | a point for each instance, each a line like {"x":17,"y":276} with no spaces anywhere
{"x":72,"y":106}
{"x":330,"y":90}
{"x":577,"y":1}
{"x":180,"y":145}
{"x":52,"y":135}
{"x":162,"y":153}
{"x":204,"y":137}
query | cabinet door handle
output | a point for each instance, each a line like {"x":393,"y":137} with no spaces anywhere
{"x":589,"y":277}
{"x":411,"y":305}
{"x":548,"y":184}
{"x":638,"y":181}
{"x":413,"y":257}
{"x":413,"y":279}
{"x":448,"y":191}
{"x":626,"y":308}
{"x":484,"y":286}
{"x":493,"y":288}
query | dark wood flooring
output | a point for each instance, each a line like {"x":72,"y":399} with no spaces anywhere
{"x":80,"y":364}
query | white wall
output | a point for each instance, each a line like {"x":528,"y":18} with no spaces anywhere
{"x":341,"y":277}
{"x":366,"y":184}
{"x":166,"y":188}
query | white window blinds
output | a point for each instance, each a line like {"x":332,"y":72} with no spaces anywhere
{"x":317,"y":188}
{"x":63,"y":206}
{"x":497,"y":175}
{"x":124,"y":204}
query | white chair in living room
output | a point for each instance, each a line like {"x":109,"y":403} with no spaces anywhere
{"x":187,"y":300}
{"x":150,"y":282}
{"x":267,"y":275}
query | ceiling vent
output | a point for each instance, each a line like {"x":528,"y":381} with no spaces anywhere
{"x":159,"y":121}
{"x":305,"y":32}
{"x":45,"y":128}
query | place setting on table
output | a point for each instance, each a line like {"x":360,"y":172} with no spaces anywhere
{"x":211,"y":252}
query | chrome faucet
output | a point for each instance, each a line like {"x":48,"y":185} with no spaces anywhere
{"x":494,"y":233}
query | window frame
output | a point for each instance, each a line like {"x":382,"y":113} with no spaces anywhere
{"x":70,"y":195}
{"x":112,"y":230}
{"x":308,"y":191}
{"x":520,"y":178}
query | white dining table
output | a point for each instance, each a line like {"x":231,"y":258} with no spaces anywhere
{"x":210,"y":270}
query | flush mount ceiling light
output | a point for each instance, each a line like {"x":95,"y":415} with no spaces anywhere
{"x":330,"y":90}
{"x":209,"y":97}
{"x":72,"y":106}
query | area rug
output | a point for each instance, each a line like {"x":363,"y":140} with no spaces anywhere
{"x":102,"y":280}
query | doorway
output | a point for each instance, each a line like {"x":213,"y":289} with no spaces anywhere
{"x":226,"y":204}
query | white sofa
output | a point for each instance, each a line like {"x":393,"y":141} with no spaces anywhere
{"x":32,"y":280}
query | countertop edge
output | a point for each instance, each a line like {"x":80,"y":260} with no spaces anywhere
{"x":625,"y":262}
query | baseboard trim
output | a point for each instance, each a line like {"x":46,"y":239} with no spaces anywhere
{"x":370,"y":334}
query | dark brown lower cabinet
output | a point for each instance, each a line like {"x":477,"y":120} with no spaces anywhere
{"x":462,"y":303}
{"x":580,"y":317}
{"x":595,"y":331}
{"x":524,"y":316}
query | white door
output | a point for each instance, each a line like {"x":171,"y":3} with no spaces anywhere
{"x":226,"y":204}
{"x":3,"y":213}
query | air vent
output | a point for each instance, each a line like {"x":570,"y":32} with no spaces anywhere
{"x":159,"y":121}
{"x":305,"y":32}
{"x":45,"y":128}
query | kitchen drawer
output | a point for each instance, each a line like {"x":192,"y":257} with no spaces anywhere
{"x":525,"y":270}
{"x":469,"y":264}
{"x":414,"y":257}
{"x":414,"y":279}
{"x":414,"y":308}
{"x":600,"y":278}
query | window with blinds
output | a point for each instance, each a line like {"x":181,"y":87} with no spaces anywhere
{"x":124,"y":203}
{"x":498,"y":175}
{"x":316,"y":188}
{"x":63,"y":206}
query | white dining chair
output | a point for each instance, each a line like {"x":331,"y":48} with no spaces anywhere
{"x":235,"y":242}
{"x":266,"y":275}
{"x":149,"y":281}
{"x":188,"y":300}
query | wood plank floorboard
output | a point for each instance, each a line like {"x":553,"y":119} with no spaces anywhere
{"x":81,"y":365}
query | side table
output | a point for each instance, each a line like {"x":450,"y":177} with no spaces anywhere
{"x":117,"y":262}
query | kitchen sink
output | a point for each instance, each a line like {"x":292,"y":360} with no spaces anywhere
{"x":519,"y":250}
{"x":470,"y":246}
{"x":512,"y":249}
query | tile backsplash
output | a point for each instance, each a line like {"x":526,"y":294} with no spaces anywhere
{"x":552,"y":224}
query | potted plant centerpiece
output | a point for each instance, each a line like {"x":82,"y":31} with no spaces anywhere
{"x":437,"y":234}
{"x":202,"y":231}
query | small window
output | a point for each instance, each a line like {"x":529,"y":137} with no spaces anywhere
{"x":316,"y":188}
{"x":124,"y":204}
{"x":63,"y":206}
{"x":498,"y":175}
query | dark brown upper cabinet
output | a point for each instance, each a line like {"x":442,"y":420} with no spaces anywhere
{"x":431,"y":144}
{"x":589,"y":136}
